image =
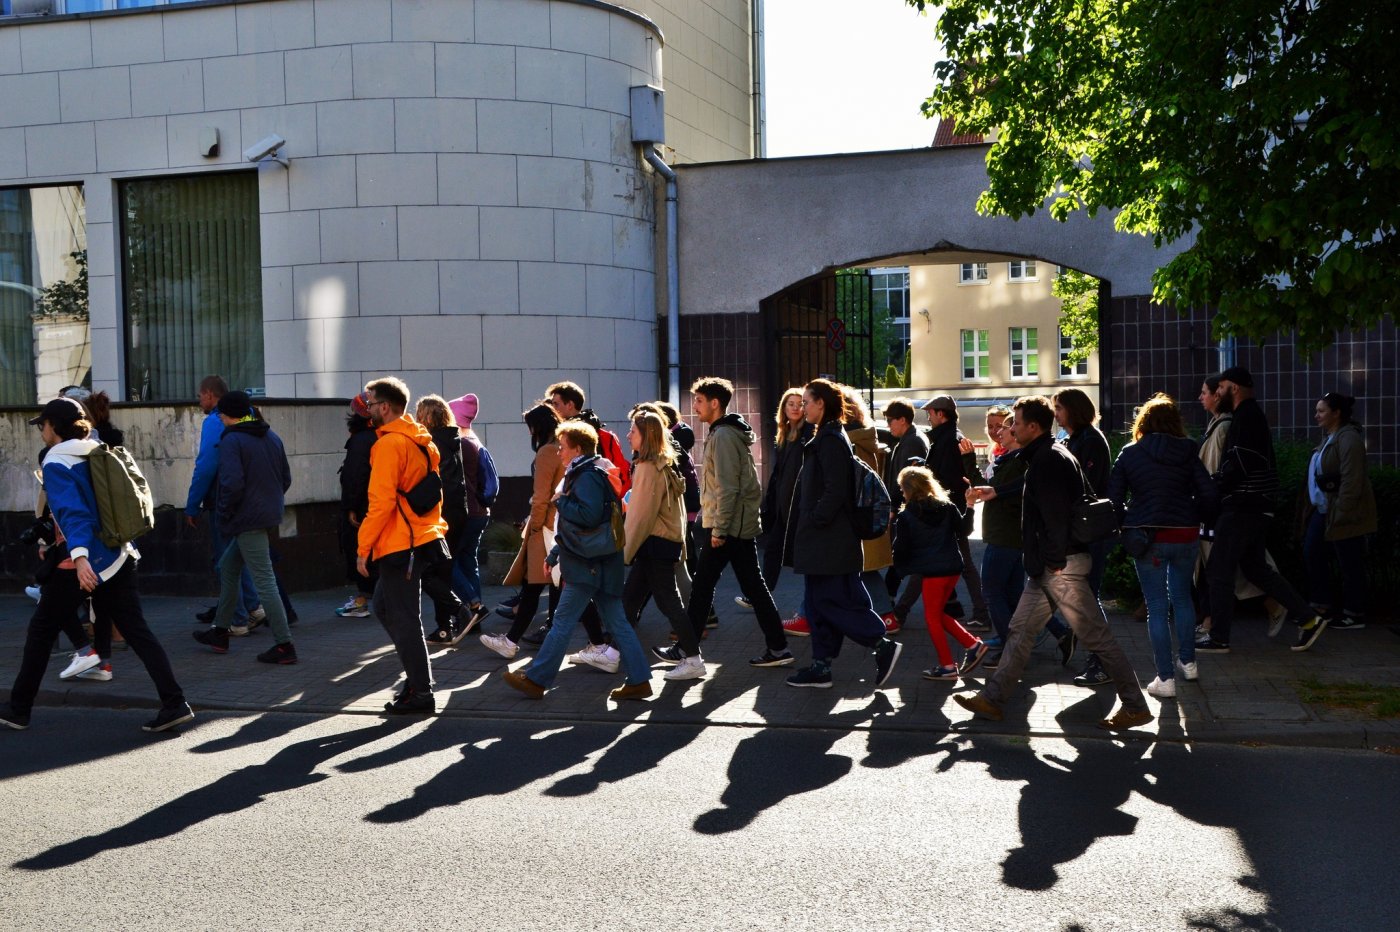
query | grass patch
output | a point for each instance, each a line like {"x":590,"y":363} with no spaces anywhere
{"x":1379,"y":701}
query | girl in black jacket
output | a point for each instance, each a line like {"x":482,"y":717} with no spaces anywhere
{"x":926,"y":544}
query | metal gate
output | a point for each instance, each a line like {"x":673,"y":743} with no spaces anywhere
{"x":821,"y":328}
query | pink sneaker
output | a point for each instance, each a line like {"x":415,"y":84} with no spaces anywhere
{"x":797,"y":627}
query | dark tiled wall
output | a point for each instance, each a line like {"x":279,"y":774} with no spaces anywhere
{"x":730,"y":346}
{"x":1152,"y":348}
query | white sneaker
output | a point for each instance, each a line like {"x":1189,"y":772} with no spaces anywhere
{"x":1276,"y":620}
{"x":500,"y":644}
{"x":1188,"y":671}
{"x":599,"y":656}
{"x":257,"y":615}
{"x":238,"y":631}
{"x":32,"y":592}
{"x":691,"y":668}
{"x":100,"y":674}
{"x":743,"y":603}
{"x":1162,"y":689}
{"x":84,"y":659}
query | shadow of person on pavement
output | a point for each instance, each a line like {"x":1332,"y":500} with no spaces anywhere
{"x":494,"y":763}
{"x":291,"y":768}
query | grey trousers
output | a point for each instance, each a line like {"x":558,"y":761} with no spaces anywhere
{"x":1068,"y":592}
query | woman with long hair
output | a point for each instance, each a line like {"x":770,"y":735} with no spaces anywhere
{"x":789,"y":430}
{"x":655,"y":530}
{"x":453,"y":622}
{"x":825,"y":548}
{"x":926,"y":545}
{"x":529,"y":570}
{"x":1163,"y":492}
{"x":1341,"y":512}
{"x":877,"y":553}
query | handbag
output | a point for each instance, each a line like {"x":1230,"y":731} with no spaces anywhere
{"x":426,"y":493}
{"x":1091,"y":519}
{"x":595,"y":543}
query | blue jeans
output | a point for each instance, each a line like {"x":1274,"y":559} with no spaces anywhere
{"x":248,"y":594}
{"x":1351,"y":558}
{"x":466,"y":573}
{"x":573,"y":599}
{"x":1003,"y":579}
{"x":1165,"y":575}
{"x":250,"y":553}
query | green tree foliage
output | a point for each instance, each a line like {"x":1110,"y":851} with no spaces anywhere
{"x":1266,"y":129}
{"x":1079,"y":312}
{"x":68,"y":299}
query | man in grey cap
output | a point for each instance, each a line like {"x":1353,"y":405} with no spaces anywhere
{"x":1248,"y":482}
{"x":948,"y":458}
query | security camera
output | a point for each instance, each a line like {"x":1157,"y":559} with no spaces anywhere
{"x":264,"y":148}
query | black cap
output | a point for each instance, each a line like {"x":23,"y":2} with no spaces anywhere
{"x":60,"y":411}
{"x":235,"y":404}
{"x":1239,"y":375}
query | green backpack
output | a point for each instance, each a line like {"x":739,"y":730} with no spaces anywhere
{"x":125,"y":509}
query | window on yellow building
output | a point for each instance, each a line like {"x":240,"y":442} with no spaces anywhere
{"x":1021,"y":270}
{"x":1068,"y":369}
{"x":972,"y":273}
{"x":976,"y":355}
{"x":1025,"y":353}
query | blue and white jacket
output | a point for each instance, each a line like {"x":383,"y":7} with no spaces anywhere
{"x":68,"y":487}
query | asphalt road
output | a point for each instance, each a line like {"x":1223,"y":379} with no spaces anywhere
{"x":280,"y":821}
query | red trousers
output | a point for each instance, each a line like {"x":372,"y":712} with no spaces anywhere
{"x":937,"y":589}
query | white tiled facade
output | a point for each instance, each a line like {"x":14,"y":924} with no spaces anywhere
{"x":463,"y":206}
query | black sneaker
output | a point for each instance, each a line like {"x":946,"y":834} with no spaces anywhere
{"x":973,"y":658}
{"x":169,"y":717}
{"x":536,"y":637}
{"x":207,"y":616}
{"x":1067,"y":643}
{"x":671,"y":653}
{"x":1346,"y":623}
{"x":993,"y":660}
{"x":713,"y":620}
{"x":475,"y":615}
{"x":1308,"y":633}
{"x":1205,"y":644}
{"x":506,"y":611}
{"x":886,"y":655}
{"x":213,"y":637}
{"x":1093,"y":675}
{"x":774,"y":658}
{"x":9,"y":718}
{"x":817,"y":676}
{"x":408,"y":702}
{"x":282,"y":654}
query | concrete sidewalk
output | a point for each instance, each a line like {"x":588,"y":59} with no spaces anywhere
{"x":347,"y":665}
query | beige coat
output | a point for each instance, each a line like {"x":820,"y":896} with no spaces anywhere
{"x":655,"y":508}
{"x":878,"y":552}
{"x":529,"y":562}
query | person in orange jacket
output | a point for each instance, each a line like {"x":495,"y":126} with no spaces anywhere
{"x":403,"y":544}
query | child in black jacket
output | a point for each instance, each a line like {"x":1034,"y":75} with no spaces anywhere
{"x":926,"y":544}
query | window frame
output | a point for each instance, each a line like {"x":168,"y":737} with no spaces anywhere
{"x":1064,"y":349}
{"x":980,"y":273}
{"x":980,"y":354}
{"x":1019,"y":277}
{"x":1025,"y":356}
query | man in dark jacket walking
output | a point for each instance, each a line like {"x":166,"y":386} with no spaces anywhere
{"x":826,"y":551}
{"x":1058,"y":571}
{"x":253,"y":479}
{"x":1247,"y":480}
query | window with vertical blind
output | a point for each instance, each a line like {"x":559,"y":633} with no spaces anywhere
{"x":1025,"y":353}
{"x":976,"y":355}
{"x":192,"y":284}
{"x":44,"y":344}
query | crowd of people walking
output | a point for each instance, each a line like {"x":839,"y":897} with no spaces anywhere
{"x":873,"y":519}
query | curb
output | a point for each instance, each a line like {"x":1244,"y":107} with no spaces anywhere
{"x":1324,"y":735}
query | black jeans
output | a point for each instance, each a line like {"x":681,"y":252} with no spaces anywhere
{"x":743,"y":555}
{"x":527,"y":606}
{"x":398,"y":606}
{"x":1239,"y":543}
{"x":656,"y":579}
{"x":118,"y":597}
{"x":437,"y":582}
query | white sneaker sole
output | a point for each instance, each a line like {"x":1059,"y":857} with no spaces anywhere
{"x":685,"y":673}
{"x":80,"y":665}
{"x":603,"y":665}
{"x":505,"y":652}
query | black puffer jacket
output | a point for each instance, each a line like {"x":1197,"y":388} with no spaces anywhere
{"x":822,"y":539}
{"x":1163,"y":484}
{"x":354,"y":472}
{"x":926,"y":540}
{"x":782,"y":483}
